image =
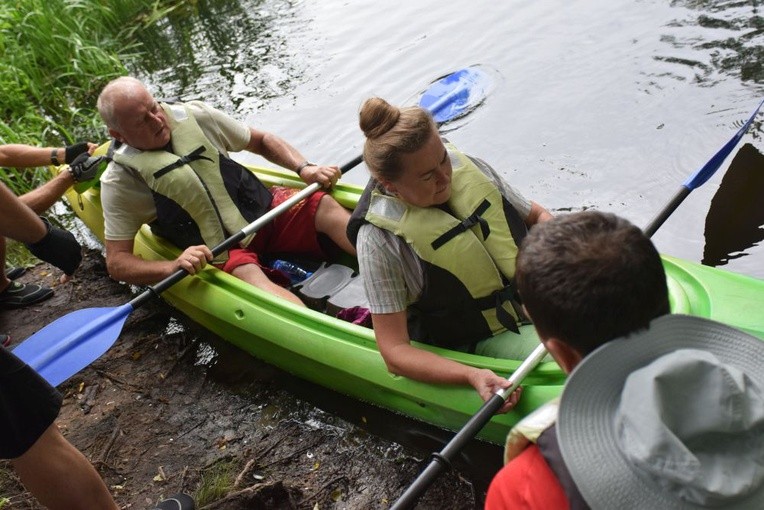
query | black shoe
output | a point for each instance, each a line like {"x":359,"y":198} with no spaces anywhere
{"x":177,"y":502}
{"x":17,"y":295}
{"x":5,"y":339}
{"x":14,"y":272}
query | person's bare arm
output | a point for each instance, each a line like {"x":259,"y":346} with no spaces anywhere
{"x":537,"y":215}
{"x":125,"y":266}
{"x":22,"y":156}
{"x":404,"y":359}
{"x":279,"y":151}
{"x":17,"y":220}
{"x":42,"y":198}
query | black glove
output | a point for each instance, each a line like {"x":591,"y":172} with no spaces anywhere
{"x":86,"y":167}
{"x":72,"y":151}
{"x":58,"y":247}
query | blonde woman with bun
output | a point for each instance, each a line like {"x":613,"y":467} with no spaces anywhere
{"x":437,"y":233}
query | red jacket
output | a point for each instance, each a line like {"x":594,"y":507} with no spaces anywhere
{"x":526,"y":483}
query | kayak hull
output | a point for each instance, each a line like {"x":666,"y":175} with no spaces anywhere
{"x":344,"y":357}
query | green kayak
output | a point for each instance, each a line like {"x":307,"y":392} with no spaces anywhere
{"x":343,"y":356}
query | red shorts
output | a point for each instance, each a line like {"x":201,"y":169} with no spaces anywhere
{"x":293,"y":232}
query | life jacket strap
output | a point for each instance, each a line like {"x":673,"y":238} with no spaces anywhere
{"x":182,"y":161}
{"x":496,"y":301}
{"x":473,"y":219}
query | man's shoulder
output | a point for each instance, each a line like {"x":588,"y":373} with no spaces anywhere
{"x":120,"y":177}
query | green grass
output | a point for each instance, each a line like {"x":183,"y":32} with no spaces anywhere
{"x":216,"y":482}
{"x":57,"y":55}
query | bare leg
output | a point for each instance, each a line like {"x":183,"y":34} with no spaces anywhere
{"x":332,"y":220}
{"x":60,"y":477}
{"x":252,"y":274}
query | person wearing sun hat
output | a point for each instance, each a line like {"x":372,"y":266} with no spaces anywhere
{"x":585,"y":279}
{"x":669,"y":418}
{"x":659,"y":412}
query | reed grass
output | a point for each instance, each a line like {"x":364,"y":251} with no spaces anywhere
{"x":58,"y":54}
{"x":216,"y":482}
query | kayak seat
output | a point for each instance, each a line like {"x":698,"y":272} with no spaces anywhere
{"x":351,"y":295}
{"x":325,"y":282}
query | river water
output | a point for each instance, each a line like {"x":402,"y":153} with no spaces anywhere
{"x":606,"y":105}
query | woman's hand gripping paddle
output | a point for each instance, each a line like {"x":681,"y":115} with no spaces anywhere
{"x":442,"y":460}
{"x":69,"y":344}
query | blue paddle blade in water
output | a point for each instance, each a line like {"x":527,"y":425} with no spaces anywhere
{"x":701,"y":176}
{"x":456,"y":94}
{"x":72,"y":342}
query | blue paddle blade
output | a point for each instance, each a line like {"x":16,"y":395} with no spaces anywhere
{"x":72,"y":342}
{"x":456,"y":94}
{"x":701,"y":176}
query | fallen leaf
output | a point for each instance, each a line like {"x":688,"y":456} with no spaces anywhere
{"x":160,"y":477}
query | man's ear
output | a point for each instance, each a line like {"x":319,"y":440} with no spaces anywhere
{"x":116,"y":135}
{"x":565,"y":356}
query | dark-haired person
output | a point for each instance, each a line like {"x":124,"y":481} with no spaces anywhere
{"x":585,"y":279}
{"x":171,"y":170}
{"x":437,"y":234}
{"x":659,"y":411}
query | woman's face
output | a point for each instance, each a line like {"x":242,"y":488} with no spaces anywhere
{"x":426,"y":177}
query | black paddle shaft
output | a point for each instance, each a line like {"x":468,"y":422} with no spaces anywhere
{"x":442,"y":460}
{"x":667,"y":211}
{"x":232,"y":241}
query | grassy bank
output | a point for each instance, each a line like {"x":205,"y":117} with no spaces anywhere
{"x":58,"y":54}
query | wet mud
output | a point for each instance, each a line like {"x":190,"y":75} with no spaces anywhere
{"x":170,"y":408}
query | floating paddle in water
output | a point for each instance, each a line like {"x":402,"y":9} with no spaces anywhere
{"x":453,"y":96}
{"x":456,"y":94}
{"x":70,"y":343}
{"x":442,"y":460}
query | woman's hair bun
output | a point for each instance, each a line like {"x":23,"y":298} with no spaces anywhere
{"x":377,"y":117}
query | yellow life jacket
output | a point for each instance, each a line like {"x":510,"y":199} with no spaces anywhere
{"x":201,"y":196}
{"x":467,"y":253}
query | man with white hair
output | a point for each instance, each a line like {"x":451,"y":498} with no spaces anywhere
{"x":171,"y":170}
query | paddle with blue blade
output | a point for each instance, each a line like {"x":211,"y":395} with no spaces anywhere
{"x":456,"y":94}
{"x":453,"y":96}
{"x":701,"y":176}
{"x":442,"y":460}
{"x":69,"y":344}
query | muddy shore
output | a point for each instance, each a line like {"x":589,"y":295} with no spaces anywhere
{"x":170,"y":408}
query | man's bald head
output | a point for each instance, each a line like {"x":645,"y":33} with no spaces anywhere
{"x":117,"y":90}
{"x":132,"y":114}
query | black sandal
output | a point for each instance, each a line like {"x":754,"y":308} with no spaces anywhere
{"x":18,"y":295}
{"x":177,"y":502}
{"x":14,"y":272}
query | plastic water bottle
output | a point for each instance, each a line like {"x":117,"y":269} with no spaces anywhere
{"x":295,"y":273}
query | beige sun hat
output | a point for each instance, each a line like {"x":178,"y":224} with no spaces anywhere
{"x":668,"y":418}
